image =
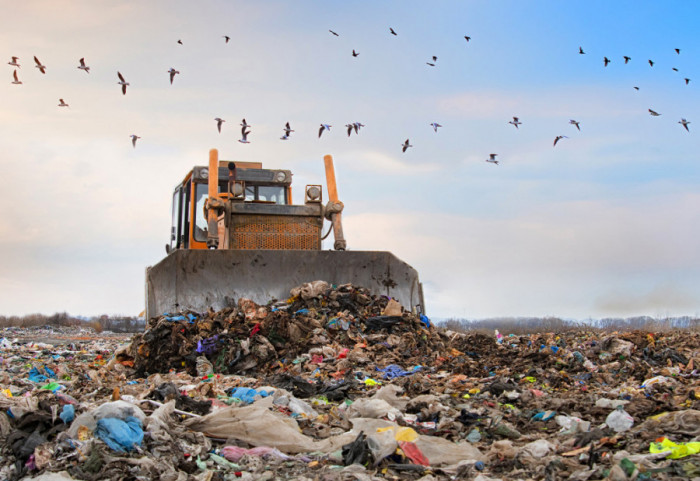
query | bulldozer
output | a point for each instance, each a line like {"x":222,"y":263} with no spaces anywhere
{"x":235,"y":234}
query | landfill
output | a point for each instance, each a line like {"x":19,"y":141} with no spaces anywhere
{"x":335,"y":383}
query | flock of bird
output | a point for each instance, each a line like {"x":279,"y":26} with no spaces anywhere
{"x":351,"y":127}
{"x":606,"y":61}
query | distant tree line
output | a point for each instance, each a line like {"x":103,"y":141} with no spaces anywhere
{"x":529,"y":325}
{"x":115,"y":323}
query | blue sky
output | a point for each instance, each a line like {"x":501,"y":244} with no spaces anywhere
{"x":603,"y":224}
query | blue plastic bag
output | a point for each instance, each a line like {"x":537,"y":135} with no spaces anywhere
{"x":247,"y":395}
{"x":68,"y":413}
{"x":120,"y":435}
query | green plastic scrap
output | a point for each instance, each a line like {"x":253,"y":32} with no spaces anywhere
{"x":627,"y":466}
{"x":676,"y":451}
{"x":223,"y":462}
{"x":201,"y":464}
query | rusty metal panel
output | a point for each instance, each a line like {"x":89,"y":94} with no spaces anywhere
{"x":275,"y":232}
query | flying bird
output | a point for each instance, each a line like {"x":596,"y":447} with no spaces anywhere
{"x":492,"y":159}
{"x":467,"y":38}
{"x":678,"y":50}
{"x":674,"y":69}
{"x":684,"y":123}
{"x":651,"y":63}
{"x":355,"y":54}
{"x":82,"y":65}
{"x":576,"y":123}
{"x":654,"y":113}
{"x":16,"y":81}
{"x":62,"y":103}
{"x":134,"y":138}
{"x":635,"y":88}
{"x":606,"y":61}
{"x":391,"y":30}
{"x":558,"y":138}
{"x":172,"y":73}
{"x":226,"y":37}
{"x":180,"y":42}
{"x":42,"y":68}
{"x":687,"y":81}
{"x":244,"y":136}
{"x":357,"y":126}
{"x":324,"y":127}
{"x":627,"y":59}
{"x":13,"y":62}
{"x":350,"y":128}
{"x":515,"y":122}
{"x":218,"y":123}
{"x":287,"y":130}
{"x":435,"y":126}
{"x":405,"y":146}
{"x":580,"y":51}
{"x":333,"y":33}
{"x":122,"y":82}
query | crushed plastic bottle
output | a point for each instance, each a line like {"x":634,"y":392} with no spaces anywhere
{"x":619,"y":420}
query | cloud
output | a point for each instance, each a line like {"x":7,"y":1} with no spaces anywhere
{"x":555,"y":260}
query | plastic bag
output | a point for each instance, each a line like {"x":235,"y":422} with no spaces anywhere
{"x":120,"y":435}
{"x":356,"y":452}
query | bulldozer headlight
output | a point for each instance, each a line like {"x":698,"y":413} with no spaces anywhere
{"x":313,"y":193}
{"x":280,"y":176}
{"x":204,"y":173}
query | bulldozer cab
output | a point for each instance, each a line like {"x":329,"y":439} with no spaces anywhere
{"x":189,"y":229}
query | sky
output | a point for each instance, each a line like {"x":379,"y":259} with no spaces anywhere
{"x":604,"y":224}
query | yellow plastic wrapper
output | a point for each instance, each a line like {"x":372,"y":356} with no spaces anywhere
{"x":677,"y":450}
{"x":6,"y":392}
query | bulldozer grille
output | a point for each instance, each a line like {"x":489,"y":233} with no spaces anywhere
{"x":279,"y":232}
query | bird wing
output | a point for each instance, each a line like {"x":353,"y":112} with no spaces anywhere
{"x":320,"y":131}
{"x":124,"y":89}
{"x":82,"y":62}
{"x":15,"y":75}
{"x":37,"y":61}
{"x":121,"y":77}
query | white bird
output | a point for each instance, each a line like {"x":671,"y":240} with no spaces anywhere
{"x":435,"y":126}
{"x":287,"y":130}
{"x":122,"y":82}
{"x":82,"y":65}
{"x":515,"y":122}
{"x":558,"y":138}
{"x":133,"y":139}
{"x":324,"y":127}
{"x":42,"y":68}
{"x":172,"y":73}
{"x":16,"y":81}
{"x":405,"y":146}
{"x":62,"y":103}
{"x":218,"y":123}
{"x":14,"y":62}
{"x":684,"y":123}
{"x":244,"y":136}
{"x":576,"y":123}
{"x":654,"y":113}
{"x":492,"y":159}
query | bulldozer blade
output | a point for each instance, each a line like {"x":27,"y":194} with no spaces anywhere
{"x":200,"y":279}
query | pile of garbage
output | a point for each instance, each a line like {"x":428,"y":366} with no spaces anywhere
{"x":337,"y":384}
